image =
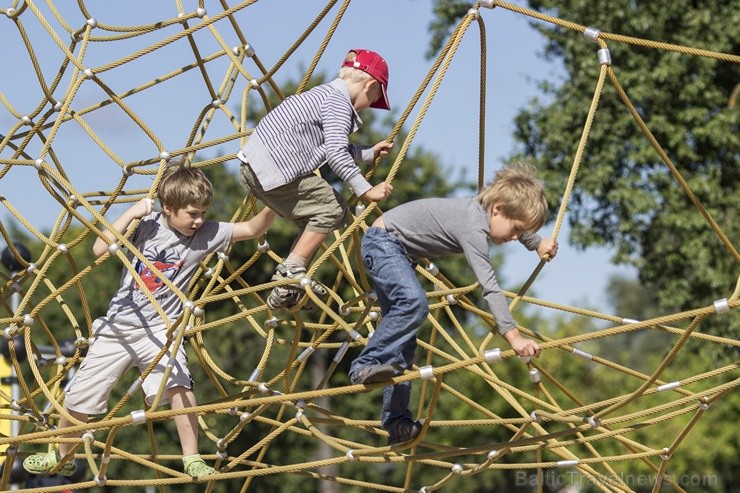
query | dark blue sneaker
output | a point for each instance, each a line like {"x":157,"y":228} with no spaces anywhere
{"x":405,"y":431}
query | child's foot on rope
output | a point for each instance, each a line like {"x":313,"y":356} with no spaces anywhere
{"x":195,"y":466}
{"x":43,"y":463}
{"x":373,"y":374}
{"x":288,"y":296}
{"x":405,"y":431}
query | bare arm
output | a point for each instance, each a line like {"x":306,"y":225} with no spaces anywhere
{"x":255,"y":227}
{"x":522,"y":345}
{"x":136,"y":211}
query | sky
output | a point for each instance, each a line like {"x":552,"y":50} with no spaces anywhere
{"x":398,"y":29}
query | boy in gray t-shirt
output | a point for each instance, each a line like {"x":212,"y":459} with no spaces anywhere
{"x":133,"y":332}
{"x":512,"y":207}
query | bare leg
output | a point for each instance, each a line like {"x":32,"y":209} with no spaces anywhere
{"x":186,"y":424}
{"x":64,"y":448}
{"x":307,"y":244}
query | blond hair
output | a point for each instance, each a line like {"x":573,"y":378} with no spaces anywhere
{"x":519,"y":193}
{"x":183,"y":185}
{"x":352,"y":74}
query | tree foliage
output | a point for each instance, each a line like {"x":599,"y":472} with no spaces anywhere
{"x":625,"y":197}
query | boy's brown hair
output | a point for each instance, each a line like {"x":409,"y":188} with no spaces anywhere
{"x":519,"y":193}
{"x":183,"y":185}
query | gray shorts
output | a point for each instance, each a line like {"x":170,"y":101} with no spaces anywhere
{"x":108,"y":358}
{"x":309,"y":201}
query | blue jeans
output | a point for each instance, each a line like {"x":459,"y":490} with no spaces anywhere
{"x":404,"y":307}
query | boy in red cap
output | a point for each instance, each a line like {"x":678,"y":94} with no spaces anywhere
{"x":297,"y":137}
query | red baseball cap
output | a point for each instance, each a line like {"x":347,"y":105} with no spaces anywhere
{"x":373,"y":64}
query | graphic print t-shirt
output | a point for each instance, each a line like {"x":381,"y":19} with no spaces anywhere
{"x":175,"y":256}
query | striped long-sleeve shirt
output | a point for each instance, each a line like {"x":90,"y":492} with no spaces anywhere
{"x":302,"y":133}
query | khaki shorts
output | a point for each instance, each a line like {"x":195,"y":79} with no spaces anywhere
{"x":108,"y":358}
{"x":309,"y":201}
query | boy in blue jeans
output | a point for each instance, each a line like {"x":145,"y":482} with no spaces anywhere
{"x":132,"y":333}
{"x":296,"y":138}
{"x":512,"y":207}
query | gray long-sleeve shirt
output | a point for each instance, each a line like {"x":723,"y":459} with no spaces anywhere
{"x":439,"y":227}
{"x":304,"y":132}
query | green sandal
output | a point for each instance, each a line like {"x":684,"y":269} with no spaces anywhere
{"x":43,"y":463}
{"x":195,"y":466}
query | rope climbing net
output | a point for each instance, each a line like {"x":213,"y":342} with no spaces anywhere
{"x":546,"y":426}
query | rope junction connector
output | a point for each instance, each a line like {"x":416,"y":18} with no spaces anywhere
{"x":432,"y":269}
{"x":594,"y":422}
{"x":582,"y":354}
{"x":669,"y":386}
{"x":10,"y":12}
{"x":489,"y":4}
{"x":26,"y":120}
{"x":533,"y":416}
{"x":604,"y":56}
{"x":216,"y":103}
{"x":305,"y":354}
{"x":359,"y":209}
{"x":457,"y":469}
{"x":474,"y":13}
{"x":135,"y":386}
{"x":27,"y":320}
{"x":534,"y":375}
{"x":38,"y":164}
{"x":627,"y":321}
{"x":164,"y":155}
{"x":492,"y":355}
{"x":592,"y":34}
{"x":722,"y":306}
{"x":568,"y":463}
{"x":451,"y":299}
{"x":350,"y":456}
{"x":426,"y":372}
{"x":200,"y":12}
{"x":82,"y":342}
{"x":138,"y":417}
{"x":263,"y":247}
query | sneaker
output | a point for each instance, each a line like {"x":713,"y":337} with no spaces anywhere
{"x":373,"y":374}
{"x":405,"y":431}
{"x":43,"y":463}
{"x":285,"y":297}
{"x":195,"y":466}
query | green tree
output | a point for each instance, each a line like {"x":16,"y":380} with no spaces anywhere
{"x":624,"y":196}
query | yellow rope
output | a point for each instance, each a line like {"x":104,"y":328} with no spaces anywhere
{"x":549,"y":425}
